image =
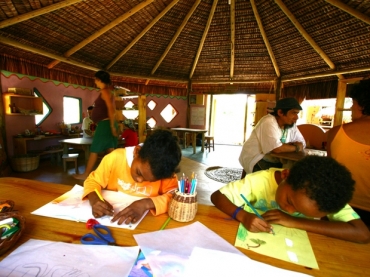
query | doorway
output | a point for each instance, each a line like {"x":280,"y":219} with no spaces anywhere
{"x":228,"y":118}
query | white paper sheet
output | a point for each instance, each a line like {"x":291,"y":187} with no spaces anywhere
{"x":207,"y":262}
{"x":70,"y":206}
{"x":167,"y":251}
{"x":47,"y":258}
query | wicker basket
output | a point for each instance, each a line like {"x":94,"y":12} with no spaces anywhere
{"x":25,"y":163}
{"x":183,"y":207}
{"x":9,"y":242}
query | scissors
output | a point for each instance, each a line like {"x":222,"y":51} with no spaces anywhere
{"x":103,"y":236}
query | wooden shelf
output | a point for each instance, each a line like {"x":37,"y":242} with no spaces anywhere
{"x":25,"y":105}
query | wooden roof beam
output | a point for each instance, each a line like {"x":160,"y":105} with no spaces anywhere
{"x":205,"y":33}
{"x":326,"y":74}
{"x":349,"y":10}
{"x":19,"y":45}
{"x":178,"y":32}
{"x":103,"y":30}
{"x":232,"y":39}
{"x":143,"y":32}
{"x":308,"y":38}
{"x":32,"y":14}
{"x":265,"y":39}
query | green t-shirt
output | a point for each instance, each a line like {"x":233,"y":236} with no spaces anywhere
{"x":260,"y":188}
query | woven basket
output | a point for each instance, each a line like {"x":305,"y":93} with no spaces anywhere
{"x":9,"y":242}
{"x":25,"y":163}
{"x":183,"y":207}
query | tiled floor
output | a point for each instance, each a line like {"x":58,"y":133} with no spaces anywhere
{"x":224,"y":155}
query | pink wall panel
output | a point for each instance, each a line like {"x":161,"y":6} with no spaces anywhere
{"x":53,"y":93}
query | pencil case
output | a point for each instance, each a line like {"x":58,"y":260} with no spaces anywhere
{"x":15,"y":233}
{"x":183,"y":207}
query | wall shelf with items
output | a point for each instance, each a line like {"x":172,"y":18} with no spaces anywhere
{"x":16,"y":104}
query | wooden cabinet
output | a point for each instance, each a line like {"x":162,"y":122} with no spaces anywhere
{"x":22,"y":104}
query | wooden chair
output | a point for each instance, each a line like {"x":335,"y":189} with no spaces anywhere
{"x":70,"y":158}
{"x":210,"y":139}
{"x":314,"y":135}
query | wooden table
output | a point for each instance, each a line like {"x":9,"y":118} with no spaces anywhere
{"x":288,"y":158}
{"x":20,"y":144}
{"x":335,"y":257}
{"x":79,"y":143}
{"x":194,"y":133}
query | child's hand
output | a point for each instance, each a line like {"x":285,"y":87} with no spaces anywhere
{"x":278,"y":217}
{"x":255,"y":224}
{"x":100,"y":208}
{"x":133,"y":212}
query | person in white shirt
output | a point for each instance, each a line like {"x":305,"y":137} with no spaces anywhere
{"x":86,"y":124}
{"x":275,"y":132}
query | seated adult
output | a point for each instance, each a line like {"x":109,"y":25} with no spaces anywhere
{"x":88,"y":126}
{"x":129,"y":133}
{"x":349,"y":144}
{"x":275,"y":132}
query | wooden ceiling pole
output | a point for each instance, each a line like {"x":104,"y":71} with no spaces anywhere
{"x":143,"y":32}
{"x":201,"y":44}
{"x":178,"y":32}
{"x":103,"y":30}
{"x":349,"y":10}
{"x":19,"y":45}
{"x":41,"y":11}
{"x":232,"y":39}
{"x":326,"y":74}
{"x":308,"y":38}
{"x":265,"y":39}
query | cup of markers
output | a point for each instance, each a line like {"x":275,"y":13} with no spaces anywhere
{"x":184,"y":205}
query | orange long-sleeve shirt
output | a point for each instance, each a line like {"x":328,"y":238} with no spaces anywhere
{"x":114,"y":173}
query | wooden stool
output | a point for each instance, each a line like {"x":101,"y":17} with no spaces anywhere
{"x":209,"y":139}
{"x":70,"y":158}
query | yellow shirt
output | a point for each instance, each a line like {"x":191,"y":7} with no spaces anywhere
{"x":114,"y":173}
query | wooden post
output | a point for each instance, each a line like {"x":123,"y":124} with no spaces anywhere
{"x":339,"y":105}
{"x":278,"y":85}
{"x":188,"y":110}
{"x":142,"y":118}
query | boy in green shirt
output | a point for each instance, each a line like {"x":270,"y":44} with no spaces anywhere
{"x":312,"y":196}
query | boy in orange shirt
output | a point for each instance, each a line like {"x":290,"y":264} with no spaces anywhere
{"x":146,"y":171}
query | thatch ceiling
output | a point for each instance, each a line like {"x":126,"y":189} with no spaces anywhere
{"x":209,"y":42}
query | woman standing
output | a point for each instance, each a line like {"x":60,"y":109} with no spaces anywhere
{"x":105,"y":137}
{"x":349,"y":144}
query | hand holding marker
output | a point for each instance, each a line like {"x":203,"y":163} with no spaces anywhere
{"x":255,"y":211}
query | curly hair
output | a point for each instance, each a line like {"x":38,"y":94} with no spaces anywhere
{"x":324,"y":180}
{"x":161,"y":149}
{"x":103,"y":76}
{"x":361,"y":93}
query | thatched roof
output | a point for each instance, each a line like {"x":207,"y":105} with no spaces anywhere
{"x":212,"y":43}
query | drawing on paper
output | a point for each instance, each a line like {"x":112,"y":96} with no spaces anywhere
{"x":288,"y":244}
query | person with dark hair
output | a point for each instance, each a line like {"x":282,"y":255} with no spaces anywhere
{"x":129,"y":133}
{"x":349,"y":144}
{"x":88,"y":126}
{"x":106,"y":134}
{"x":312,"y":196}
{"x":275,"y":132}
{"x":146,"y":171}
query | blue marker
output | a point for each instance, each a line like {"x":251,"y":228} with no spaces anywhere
{"x":255,"y":211}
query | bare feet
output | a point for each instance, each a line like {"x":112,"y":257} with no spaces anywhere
{"x":80,"y":176}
